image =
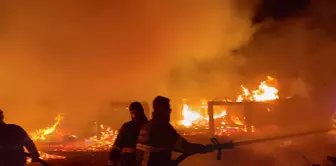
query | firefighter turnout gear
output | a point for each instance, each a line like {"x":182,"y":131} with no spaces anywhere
{"x":13,"y":139}
{"x":157,"y":139}
{"x":123,"y":150}
{"x":1,"y":116}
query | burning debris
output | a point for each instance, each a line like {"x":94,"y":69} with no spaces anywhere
{"x":101,"y":142}
{"x":104,"y":141}
{"x":96,"y":143}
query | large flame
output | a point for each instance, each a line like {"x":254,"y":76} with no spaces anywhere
{"x":43,"y":133}
{"x":195,"y":118}
{"x":265,"y":92}
{"x":189,"y":116}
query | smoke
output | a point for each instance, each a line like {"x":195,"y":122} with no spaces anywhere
{"x":74,"y":56}
{"x":204,"y":67}
{"x":300,"y":46}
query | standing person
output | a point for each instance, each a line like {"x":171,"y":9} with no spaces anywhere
{"x":123,"y":150}
{"x":158,"y":139}
{"x":12,"y":140}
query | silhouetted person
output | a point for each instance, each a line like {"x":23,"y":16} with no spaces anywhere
{"x":158,"y":139}
{"x":123,"y":150}
{"x":12,"y":140}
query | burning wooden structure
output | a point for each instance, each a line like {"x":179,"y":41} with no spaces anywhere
{"x":282,"y":113}
{"x":249,"y":113}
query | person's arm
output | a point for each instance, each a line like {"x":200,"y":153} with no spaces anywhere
{"x":30,"y":146}
{"x":181,"y":145}
{"x":114,"y":155}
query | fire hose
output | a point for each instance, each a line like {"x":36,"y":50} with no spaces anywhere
{"x":42,"y":162}
{"x":218,"y":146}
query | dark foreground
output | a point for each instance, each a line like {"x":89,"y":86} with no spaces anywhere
{"x":301,"y":151}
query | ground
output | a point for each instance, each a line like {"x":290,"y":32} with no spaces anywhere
{"x":295,"y":152}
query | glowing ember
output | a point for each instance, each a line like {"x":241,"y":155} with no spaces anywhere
{"x":101,"y":142}
{"x":43,"y":133}
{"x":105,"y":140}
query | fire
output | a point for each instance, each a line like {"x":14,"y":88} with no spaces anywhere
{"x":101,"y":142}
{"x":265,"y":92}
{"x":194,"y":117}
{"x":43,"y":133}
{"x":237,"y":121}
{"x":191,"y":116}
{"x":104,"y":141}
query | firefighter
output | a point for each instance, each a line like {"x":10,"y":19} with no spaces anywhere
{"x":123,"y":150}
{"x":13,"y":139}
{"x":158,"y":139}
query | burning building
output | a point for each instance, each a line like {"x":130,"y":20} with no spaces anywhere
{"x":259,"y":110}
{"x":228,"y":116}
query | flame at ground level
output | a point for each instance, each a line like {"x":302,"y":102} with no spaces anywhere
{"x":43,"y":133}
{"x":101,"y":142}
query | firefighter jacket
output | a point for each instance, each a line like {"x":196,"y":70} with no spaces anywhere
{"x":123,"y":150}
{"x":157,"y":140}
{"x":13,"y":139}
